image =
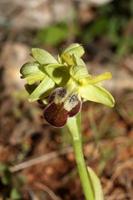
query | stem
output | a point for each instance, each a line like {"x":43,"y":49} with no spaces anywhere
{"x":74,"y":127}
{"x":82,"y":170}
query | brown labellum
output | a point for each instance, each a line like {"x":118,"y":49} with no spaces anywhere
{"x":55,"y":114}
{"x":61,"y":106}
{"x":73,"y":105}
{"x":75,"y":109}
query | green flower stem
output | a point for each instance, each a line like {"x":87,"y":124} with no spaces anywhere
{"x":74,"y":128}
{"x":82,"y":170}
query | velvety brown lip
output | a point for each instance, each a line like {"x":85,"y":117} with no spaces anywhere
{"x":56,"y":115}
{"x":60,"y":107}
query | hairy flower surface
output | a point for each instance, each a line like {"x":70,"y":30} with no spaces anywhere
{"x":62,"y":84}
{"x":61,"y":105}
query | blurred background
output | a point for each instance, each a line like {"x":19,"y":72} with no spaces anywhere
{"x":36,"y":160}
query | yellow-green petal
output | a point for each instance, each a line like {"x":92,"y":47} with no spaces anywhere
{"x":97,"y":94}
{"x":46,"y":85}
{"x":67,"y":59}
{"x":31,"y":79}
{"x":96,"y":79}
{"x":79,"y":61}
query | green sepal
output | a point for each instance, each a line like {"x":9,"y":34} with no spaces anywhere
{"x":97,"y":94}
{"x":29,"y":68}
{"x":96,"y":185}
{"x":42,"y":56}
{"x":31,"y":72}
{"x":46,"y":85}
{"x":71,"y":55}
{"x":59,"y":73}
{"x":79,"y":70}
{"x":75,"y":49}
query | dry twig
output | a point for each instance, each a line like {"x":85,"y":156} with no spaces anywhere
{"x":44,"y":158}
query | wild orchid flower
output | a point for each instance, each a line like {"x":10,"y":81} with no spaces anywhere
{"x":62,"y":84}
{"x":67,"y":80}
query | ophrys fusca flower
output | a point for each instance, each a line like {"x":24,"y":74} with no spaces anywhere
{"x":63,"y":83}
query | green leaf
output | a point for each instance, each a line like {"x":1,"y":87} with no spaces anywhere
{"x":97,"y":94}
{"x":75,"y":49}
{"x":97,"y":188}
{"x":44,"y":87}
{"x":42,"y":56}
{"x":31,"y":72}
{"x":58,"y":73}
